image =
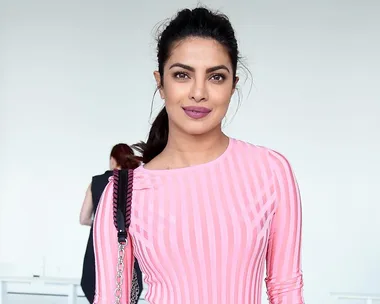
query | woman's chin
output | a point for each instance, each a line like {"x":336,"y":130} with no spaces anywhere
{"x":196,"y":130}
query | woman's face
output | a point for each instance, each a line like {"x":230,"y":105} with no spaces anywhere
{"x":197,"y":86}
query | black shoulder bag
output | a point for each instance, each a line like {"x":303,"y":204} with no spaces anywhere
{"x":122,"y":205}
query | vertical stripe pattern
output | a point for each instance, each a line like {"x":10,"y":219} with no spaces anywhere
{"x":204,"y":234}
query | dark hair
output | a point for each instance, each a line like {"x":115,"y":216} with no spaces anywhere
{"x":124,"y":156}
{"x":199,"y":22}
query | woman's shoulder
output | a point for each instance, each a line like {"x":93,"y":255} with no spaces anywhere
{"x":254,"y":152}
{"x":101,"y":178}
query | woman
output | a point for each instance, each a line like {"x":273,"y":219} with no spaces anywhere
{"x":208,"y":211}
{"x":122,"y":157}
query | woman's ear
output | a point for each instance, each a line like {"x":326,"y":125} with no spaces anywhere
{"x":157,"y":76}
{"x":235,"y":84}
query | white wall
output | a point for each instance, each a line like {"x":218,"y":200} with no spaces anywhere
{"x":77,"y":78}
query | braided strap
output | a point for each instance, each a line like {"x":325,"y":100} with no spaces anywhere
{"x":122,"y":196}
{"x":122,"y":208}
{"x":115,"y":195}
{"x":128,"y":211}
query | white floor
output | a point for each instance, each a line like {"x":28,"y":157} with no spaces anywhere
{"x":26,"y":290}
{"x":44,"y":299}
{"x":48,"y":290}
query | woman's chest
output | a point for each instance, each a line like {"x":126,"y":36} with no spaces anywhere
{"x":179,"y":215}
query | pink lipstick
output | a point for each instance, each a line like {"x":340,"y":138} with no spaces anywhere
{"x":196,"y":112}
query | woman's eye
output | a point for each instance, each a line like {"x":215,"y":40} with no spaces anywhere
{"x":181,"y":75}
{"x":218,"y":77}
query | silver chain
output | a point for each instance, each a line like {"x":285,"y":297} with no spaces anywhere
{"x":119,"y":272}
{"x":119,"y":278}
{"x":134,"y":289}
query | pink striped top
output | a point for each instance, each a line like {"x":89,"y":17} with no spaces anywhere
{"x":202,"y":234}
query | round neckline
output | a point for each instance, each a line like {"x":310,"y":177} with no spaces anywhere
{"x":190,"y":168}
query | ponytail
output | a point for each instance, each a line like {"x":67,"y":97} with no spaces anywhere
{"x":157,"y":139}
{"x":124,"y":156}
{"x":130,"y":162}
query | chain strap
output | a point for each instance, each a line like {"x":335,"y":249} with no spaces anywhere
{"x":125,"y":194}
{"x":135,"y":289}
{"x":119,"y":272}
{"x":119,"y":278}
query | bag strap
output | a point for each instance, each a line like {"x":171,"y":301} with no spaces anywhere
{"x":122,"y":202}
{"x":122,"y":208}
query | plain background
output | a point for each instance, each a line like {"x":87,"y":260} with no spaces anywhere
{"x":76,"y":78}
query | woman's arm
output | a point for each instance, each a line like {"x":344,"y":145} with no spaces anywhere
{"x":284,"y":275}
{"x":87,"y":210}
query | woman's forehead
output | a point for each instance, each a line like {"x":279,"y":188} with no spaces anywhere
{"x":199,"y":53}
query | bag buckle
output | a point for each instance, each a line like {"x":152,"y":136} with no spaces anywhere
{"x":122,"y":236}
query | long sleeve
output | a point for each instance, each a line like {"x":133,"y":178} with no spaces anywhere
{"x":106,"y":253}
{"x":284,"y":275}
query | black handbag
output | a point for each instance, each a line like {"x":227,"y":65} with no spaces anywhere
{"x":122,"y":205}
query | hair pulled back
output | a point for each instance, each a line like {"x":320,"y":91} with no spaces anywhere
{"x":199,"y":22}
{"x":124,"y":156}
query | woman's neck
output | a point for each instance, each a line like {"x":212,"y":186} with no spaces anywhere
{"x":183,"y":150}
